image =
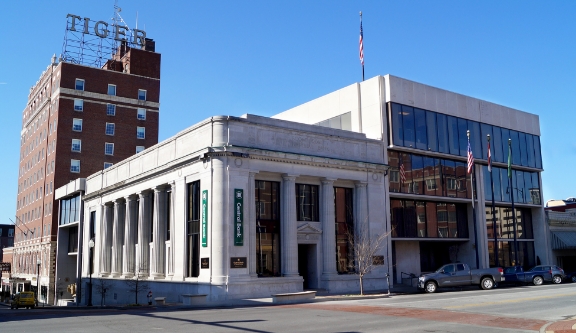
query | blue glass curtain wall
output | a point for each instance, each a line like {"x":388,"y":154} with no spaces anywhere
{"x":426,"y":130}
{"x":427,"y":219}
{"x":525,"y":184}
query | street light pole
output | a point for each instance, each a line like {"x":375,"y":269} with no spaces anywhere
{"x":91,"y":259}
{"x":38,"y":262}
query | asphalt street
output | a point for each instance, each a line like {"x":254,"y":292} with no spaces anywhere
{"x":524,"y":309}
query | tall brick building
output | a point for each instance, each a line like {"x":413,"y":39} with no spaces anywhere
{"x":78,"y":120}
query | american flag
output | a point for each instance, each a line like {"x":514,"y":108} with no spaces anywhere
{"x":361,"y":45}
{"x":402,"y":173}
{"x":489,"y":158}
{"x":470,"y":158}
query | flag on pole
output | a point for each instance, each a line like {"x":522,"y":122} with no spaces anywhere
{"x":489,"y":158}
{"x":402,"y":173}
{"x":361,"y":46}
{"x":509,"y":159}
{"x":470,"y":158}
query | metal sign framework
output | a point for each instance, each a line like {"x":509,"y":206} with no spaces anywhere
{"x":93,"y":43}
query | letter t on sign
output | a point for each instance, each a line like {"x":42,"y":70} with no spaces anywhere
{"x":74,"y":18}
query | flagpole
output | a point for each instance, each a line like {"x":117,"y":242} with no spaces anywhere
{"x":496,"y":259}
{"x":361,"y":46}
{"x":473,"y":208}
{"x":512,"y":197}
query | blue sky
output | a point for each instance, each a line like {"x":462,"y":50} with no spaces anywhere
{"x":263,"y":57}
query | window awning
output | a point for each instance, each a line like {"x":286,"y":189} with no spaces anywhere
{"x":563,"y":240}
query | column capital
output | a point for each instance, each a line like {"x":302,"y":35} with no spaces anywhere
{"x":108,"y":203}
{"x":360,"y":183}
{"x":289,"y":177}
{"x":118,"y":201}
{"x":328,"y":181}
{"x":131,"y":197}
{"x":160,"y":188}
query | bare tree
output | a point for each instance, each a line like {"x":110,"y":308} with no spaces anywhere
{"x":365,"y":248}
{"x":138,"y":283}
{"x":102,"y":286}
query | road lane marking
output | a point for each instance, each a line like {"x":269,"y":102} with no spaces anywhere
{"x":506,"y":301}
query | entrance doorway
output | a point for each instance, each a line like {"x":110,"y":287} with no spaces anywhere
{"x":307,"y":265}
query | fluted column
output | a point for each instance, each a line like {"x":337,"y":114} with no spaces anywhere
{"x":106,"y":245}
{"x":143,"y":234}
{"x":251,"y":201}
{"x":361,"y":208}
{"x":130,"y":234}
{"x":328,"y":228}
{"x":289,"y":227}
{"x":117,"y":237}
{"x":159,"y":231}
{"x":172,"y":228}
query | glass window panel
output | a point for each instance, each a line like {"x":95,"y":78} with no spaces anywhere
{"x":523,"y":149}
{"x":453,"y":135}
{"x":461,"y":183}
{"x":505,"y":136}
{"x":408,"y":125}
{"x":410,"y":230}
{"x":421,"y":218}
{"x":431,"y":131}
{"x":450,"y":178}
{"x":528,"y":187}
{"x":394,"y":176}
{"x":463,"y":136}
{"x":496,"y":144}
{"x":519,"y":194}
{"x":462,"y":216}
{"x":527,"y":218}
{"x":535,"y":190}
{"x":519,"y":223}
{"x":452,"y":220}
{"x":397,"y":128}
{"x":505,"y":217}
{"x":530,"y":151}
{"x":497,"y":184}
{"x":537,"y":152}
{"x":430,"y":178}
{"x":439,"y":173}
{"x":476,"y":139}
{"x":504,"y":184}
{"x":420,"y":123}
{"x":397,"y":213}
{"x":431,"y":222}
{"x":516,"y":154}
{"x":417,"y":175}
{"x":487,"y":191}
{"x":406,"y":176}
{"x":442,"y":123}
{"x":486,"y":129}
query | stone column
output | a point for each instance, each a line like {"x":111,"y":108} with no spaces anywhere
{"x":218,"y":205}
{"x":117,"y":237}
{"x":289,"y":227}
{"x":361,"y":208}
{"x":159,"y":231}
{"x":328,"y":219}
{"x":130,"y":234}
{"x":251,"y":201}
{"x":143,"y":234}
{"x":172,"y":228}
{"x":106,"y":245}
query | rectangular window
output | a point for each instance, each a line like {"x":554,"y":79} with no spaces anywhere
{"x":73,"y":239}
{"x":343,"y":200}
{"x":110,"y":109}
{"x":193,"y":229}
{"x":79,"y":84}
{"x":140,"y":132}
{"x":431,"y":131}
{"x":112,"y":89}
{"x":268,"y":233}
{"x":139,"y":149}
{"x":141,"y":94}
{"x":75,"y":166}
{"x":141,"y":115}
{"x":76,"y":145}
{"x":77,"y":125}
{"x":78,"y":105}
{"x":408,"y":126}
{"x":107,"y":165}
{"x":442,"y":124}
{"x":110,"y":128}
{"x":421,"y":135}
{"x":307,"y":202}
{"x":108,"y":148}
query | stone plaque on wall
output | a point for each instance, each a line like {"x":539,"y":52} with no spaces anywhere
{"x":204,"y":263}
{"x":238,"y":262}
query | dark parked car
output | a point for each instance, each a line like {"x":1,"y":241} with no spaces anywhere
{"x":536,"y":275}
{"x":456,"y":275}
{"x":570,"y":277}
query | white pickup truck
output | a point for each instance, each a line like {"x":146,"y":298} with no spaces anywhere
{"x":458,"y":274}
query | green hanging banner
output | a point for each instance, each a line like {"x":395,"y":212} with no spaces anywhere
{"x":204,"y":218}
{"x":238,"y":217}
